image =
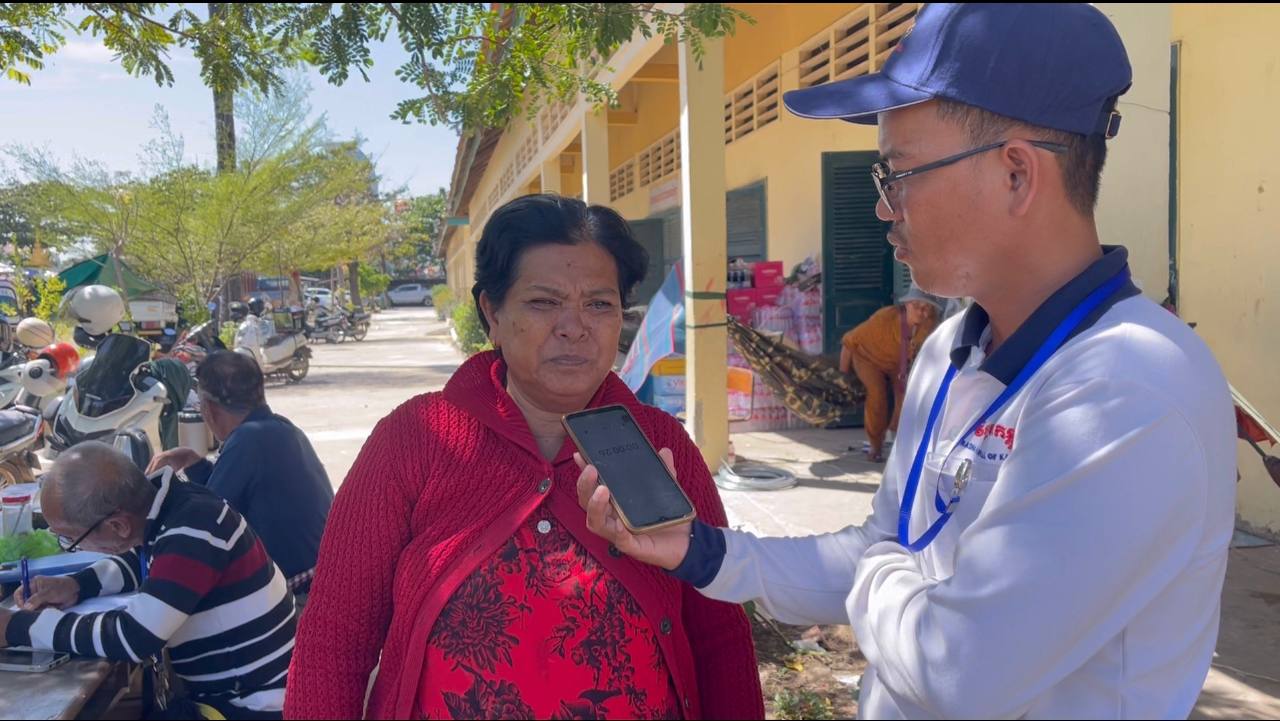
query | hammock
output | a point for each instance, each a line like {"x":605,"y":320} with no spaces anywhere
{"x":810,"y":387}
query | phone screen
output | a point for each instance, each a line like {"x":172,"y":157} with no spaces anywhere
{"x":634,"y":474}
{"x":31,"y":659}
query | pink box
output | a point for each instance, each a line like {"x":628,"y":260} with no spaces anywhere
{"x":768,"y":274}
{"x":768,"y":297}
{"x":740,"y":302}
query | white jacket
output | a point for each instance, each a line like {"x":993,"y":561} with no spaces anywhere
{"x":1081,"y":576}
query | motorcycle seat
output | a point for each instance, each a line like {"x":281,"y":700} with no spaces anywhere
{"x":16,"y":425}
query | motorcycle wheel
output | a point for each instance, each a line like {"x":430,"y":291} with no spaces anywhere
{"x":298,"y":370}
{"x":13,"y":473}
{"x":361,"y":332}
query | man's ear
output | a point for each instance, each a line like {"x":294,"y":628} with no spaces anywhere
{"x":1023,"y":175}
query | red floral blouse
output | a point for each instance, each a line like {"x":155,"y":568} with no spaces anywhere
{"x":543,"y":631}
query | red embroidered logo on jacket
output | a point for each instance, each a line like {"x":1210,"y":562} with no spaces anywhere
{"x":1004,"y":433}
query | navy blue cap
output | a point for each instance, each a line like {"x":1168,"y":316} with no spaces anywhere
{"x":1055,"y":65}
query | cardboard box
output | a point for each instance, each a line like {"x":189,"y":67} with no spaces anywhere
{"x":673,"y":366}
{"x":669,"y":385}
{"x":673,"y":405}
{"x":768,"y":274}
{"x":768,"y":297}
{"x":740,"y":302}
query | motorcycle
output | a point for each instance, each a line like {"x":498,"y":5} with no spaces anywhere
{"x":283,"y":355}
{"x":358,"y":322}
{"x":117,"y":396}
{"x":116,"y":399}
{"x":326,"y":325}
{"x":20,"y":349}
{"x":22,"y":426}
{"x":191,"y":348}
{"x":196,"y":344}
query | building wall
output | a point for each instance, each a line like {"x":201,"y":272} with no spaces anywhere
{"x":1133,"y":209}
{"x":659,"y":107}
{"x":1228,"y":210}
{"x":778,"y":28}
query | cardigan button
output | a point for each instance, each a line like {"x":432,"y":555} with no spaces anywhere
{"x":544,"y":527}
{"x":687,"y":702}
{"x":544,"y":486}
{"x":665,"y":627}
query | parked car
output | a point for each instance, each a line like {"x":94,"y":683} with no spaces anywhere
{"x":410,"y":294}
{"x":323,"y":295}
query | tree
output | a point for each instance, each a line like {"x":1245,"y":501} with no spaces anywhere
{"x":469,"y":64}
{"x":189,"y":228}
{"x":412,"y":227}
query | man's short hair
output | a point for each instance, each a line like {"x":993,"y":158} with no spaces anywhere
{"x":94,"y":480}
{"x":1081,"y":165}
{"x":233,"y":380}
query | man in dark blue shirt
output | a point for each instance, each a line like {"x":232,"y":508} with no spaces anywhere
{"x":267,"y":470}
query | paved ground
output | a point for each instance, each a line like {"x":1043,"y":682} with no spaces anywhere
{"x":353,"y":385}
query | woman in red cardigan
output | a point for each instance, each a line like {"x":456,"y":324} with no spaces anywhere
{"x":456,"y":558}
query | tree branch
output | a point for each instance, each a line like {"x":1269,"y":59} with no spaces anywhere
{"x":120,"y":8}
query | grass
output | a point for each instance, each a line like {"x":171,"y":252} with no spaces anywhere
{"x":795,"y":705}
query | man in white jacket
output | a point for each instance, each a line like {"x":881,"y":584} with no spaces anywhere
{"x":1050,"y":539}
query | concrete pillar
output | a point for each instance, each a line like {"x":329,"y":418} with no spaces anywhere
{"x":595,"y":156}
{"x":702,"y":177}
{"x":551,"y":175}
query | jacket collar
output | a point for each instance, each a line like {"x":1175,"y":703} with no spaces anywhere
{"x":479,"y":388}
{"x":1010,"y":357}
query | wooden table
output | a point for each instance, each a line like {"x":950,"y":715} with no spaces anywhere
{"x":80,"y":688}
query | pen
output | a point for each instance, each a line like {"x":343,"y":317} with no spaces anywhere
{"x":26,"y":581}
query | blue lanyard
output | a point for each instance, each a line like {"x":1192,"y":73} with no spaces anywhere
{"x":1042,"y":355}
{"x":142,"y":564}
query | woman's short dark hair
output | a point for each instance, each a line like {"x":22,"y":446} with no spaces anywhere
{"x":233,"y":380}
{"x":546,"y":219}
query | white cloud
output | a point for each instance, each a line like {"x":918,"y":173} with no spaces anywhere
{"x":86,"y":51}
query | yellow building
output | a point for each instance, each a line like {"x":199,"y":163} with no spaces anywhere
{"x":1227,"y":72}
{"x":687,"y":143}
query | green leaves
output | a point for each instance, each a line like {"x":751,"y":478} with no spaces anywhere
{"x":29,"y":32}
{"x":466,"y":65}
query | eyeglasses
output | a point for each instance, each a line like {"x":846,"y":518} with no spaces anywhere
{"x":72,"y":546}
{"x":886,"y":181}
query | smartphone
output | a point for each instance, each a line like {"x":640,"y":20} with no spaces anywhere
{"x":25,"y":659}
{"x":643,"y":491}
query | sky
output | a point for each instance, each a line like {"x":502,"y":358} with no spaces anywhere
{"x":83,"y":103}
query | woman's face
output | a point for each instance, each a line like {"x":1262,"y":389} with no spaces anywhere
{"x":559,"y":326}
{"x":918,"y":312}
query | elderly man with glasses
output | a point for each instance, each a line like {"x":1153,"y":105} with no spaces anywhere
{"x":203,"y":585}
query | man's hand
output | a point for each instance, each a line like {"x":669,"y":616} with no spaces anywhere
{"x":60,"y":592}
{"x":665,"y":548}
{"x":178,"y":459}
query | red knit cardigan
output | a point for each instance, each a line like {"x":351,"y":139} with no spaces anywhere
{"x":440,"y":485}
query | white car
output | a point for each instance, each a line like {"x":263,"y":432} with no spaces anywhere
{"x":323,"y":295}
{"x":410,"y":294}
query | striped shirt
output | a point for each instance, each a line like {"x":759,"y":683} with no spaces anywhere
{"x":211,"y":595}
